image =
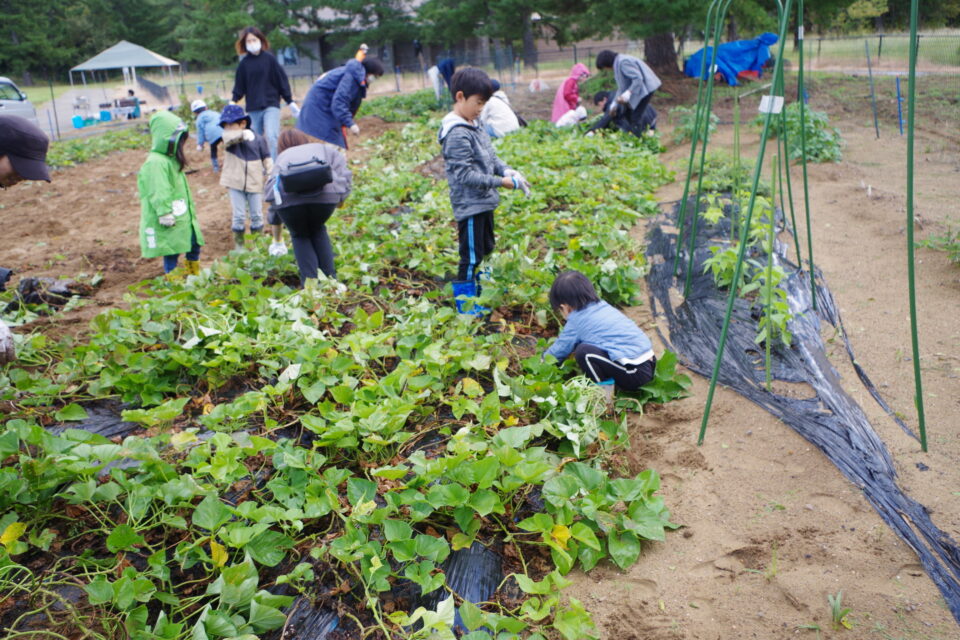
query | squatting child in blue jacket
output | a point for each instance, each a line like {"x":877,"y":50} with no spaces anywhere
{"x":208,"y":130}
{"x":609,"y":347}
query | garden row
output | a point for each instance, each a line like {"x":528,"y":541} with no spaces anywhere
{"x":339,"y":446}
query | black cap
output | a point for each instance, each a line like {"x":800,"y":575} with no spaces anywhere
{"x":26,"y":146}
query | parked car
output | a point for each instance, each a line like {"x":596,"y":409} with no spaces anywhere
{"x":15,"y":102}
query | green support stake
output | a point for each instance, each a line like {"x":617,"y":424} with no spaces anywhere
{"x":911,"y":113}
{"x":681,"y":218}
{"x":803,"y":156}
{"x":703,"y":149}
{"x":785,"y":169}
{"x":738,"y":270}
{"x":735,"y":209}
{"x":768,"y":285}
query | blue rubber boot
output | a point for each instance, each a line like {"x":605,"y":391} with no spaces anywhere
{"x":465,"y":294}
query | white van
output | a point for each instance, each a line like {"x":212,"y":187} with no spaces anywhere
{"x":15,"y":102}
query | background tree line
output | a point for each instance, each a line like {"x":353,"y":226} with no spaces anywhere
{"x":46,"y":37}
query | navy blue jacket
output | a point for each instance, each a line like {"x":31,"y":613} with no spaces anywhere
{"x":262,"y":80}
{"x":332,"y":101}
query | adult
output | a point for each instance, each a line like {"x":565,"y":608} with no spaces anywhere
{"x":310,"y":180}
{"x":262,"y":82}
{"x":498,"y":116}
{"x":23,"y":156}
{"x":568,"y":93}
{"x":616,"y":120}
{"x":334,"y":99}
{"x":636,"y":83}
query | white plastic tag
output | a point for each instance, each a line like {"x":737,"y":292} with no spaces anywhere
{"x":800,"y":32}
{"x":771,"y":104}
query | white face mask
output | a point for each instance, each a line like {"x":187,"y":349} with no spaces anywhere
{"x":253,"y":47}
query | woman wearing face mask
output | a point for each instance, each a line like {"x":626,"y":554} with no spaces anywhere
{"x":262,"y":81}
{"x":333,"y":100}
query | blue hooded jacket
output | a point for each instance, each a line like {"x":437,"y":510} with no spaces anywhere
{"x":332,"y":101}
{"x":208,"y":127}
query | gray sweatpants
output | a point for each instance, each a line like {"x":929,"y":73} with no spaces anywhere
{"x":241,"y":201}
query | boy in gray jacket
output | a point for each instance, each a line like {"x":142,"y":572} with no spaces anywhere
{"x":474,"y":173}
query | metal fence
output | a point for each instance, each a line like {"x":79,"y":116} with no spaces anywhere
{"x":888,"y":53}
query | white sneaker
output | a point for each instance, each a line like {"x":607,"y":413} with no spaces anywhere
{"x":277,"y":249}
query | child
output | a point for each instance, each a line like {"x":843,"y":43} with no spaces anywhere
{"x":168,"y":221}
{"x":608,"y":346}
{"x":305,"y":208}
{"x":474,"y":173}
{"x":568,"y":93}
{"x":208,"y":130}
{"x":572,"y":117}
{"x":246,"y":164}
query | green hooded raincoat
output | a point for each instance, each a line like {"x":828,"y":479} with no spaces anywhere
{"x":163,"y":189}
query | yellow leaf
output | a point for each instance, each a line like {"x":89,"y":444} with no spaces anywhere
{"x":461,"y":541}
{"x":183,"y":438}
{"x":218,"y":552}
{"x":561,"y":534}
{"x":511,"y":421}
{"x":207,"y":408}
{"x":12,"y":533}
{"x":846,"y":623}
{"x":331,"y":353}
{"x":364,"y":508}
{"x":375,"y":564}
{"x":471,"y":387}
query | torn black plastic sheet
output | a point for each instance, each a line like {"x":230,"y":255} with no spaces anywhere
{"x":830,"y":419}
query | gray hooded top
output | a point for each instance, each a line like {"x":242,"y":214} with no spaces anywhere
{"x":333,"y":192}
{"x":634,"y":74}
{"x":472,"y":167}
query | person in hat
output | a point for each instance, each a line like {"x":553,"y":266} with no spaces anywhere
{"x":168,"y":219}
{"x":23,"y":156}
{"x":208,"y":130}
{"x":246,"y":165}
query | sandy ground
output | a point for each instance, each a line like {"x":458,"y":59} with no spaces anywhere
{"x":770,"y":527}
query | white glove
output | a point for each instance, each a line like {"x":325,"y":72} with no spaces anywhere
{"x":167,"y":220}
{"x":294,"y":110}
{"x":624,"y":97}
{"x":355,"y":130}
{"x":7,"y":352}
{"x":179,"y":207}
{"x":248,"y":135}
{"x":519,"y":181}
{"x":199,"y":147}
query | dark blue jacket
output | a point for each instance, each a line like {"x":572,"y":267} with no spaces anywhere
{"x":332,"y":101}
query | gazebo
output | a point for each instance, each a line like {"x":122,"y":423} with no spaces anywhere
{"x":123,"y":55}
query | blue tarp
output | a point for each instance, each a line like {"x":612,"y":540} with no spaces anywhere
{"x":734,"y":57}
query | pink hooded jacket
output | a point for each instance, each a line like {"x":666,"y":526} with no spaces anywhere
{"x":568,"y":93}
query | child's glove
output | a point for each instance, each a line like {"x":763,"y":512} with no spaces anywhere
{"x":167,"y":220}
{"x":248,"y":135}
{"x":7,"y":352}
{"x":294,"y":109}
{"x":519,"y":182}
{"x":199,"y":147}
{"x":624,"y":97}
{"x":355,"y":129}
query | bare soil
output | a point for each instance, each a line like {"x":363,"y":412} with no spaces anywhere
{"x":770,"y":527}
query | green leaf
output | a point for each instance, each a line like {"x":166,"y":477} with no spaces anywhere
{"x":210,"y":513}
{"x":264,"y":618}
{"x":624,"y":548}
{"x":397,"y":530}
{"x":485,"y":502}
{"x":574,"y":623}
{"x":269,"y":548}
{"x":585,"y":534}
{"x":360,"y":490}
{"x":100,"y":591}
{"x":72,"y":412}
{"x":123,"y":537}
{"x":471,"y":614}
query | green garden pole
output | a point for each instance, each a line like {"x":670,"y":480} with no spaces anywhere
{"x":738,"y":270}
{"x":681,"y":218}
{"x":735,"y":209}
{"x":911,"y":113}
{"x":785,"y":169}
{"x":803,"y":156}
{"x":768,"y":285}
{"x":703,"y":149}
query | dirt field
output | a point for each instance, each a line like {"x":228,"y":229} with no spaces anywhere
{"x":770,"y":527}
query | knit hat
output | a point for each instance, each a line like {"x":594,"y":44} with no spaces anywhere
{"x":233,"y":113}
{"x":197,"y":105}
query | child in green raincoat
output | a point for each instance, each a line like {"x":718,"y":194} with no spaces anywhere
{"x":168,"y":220}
